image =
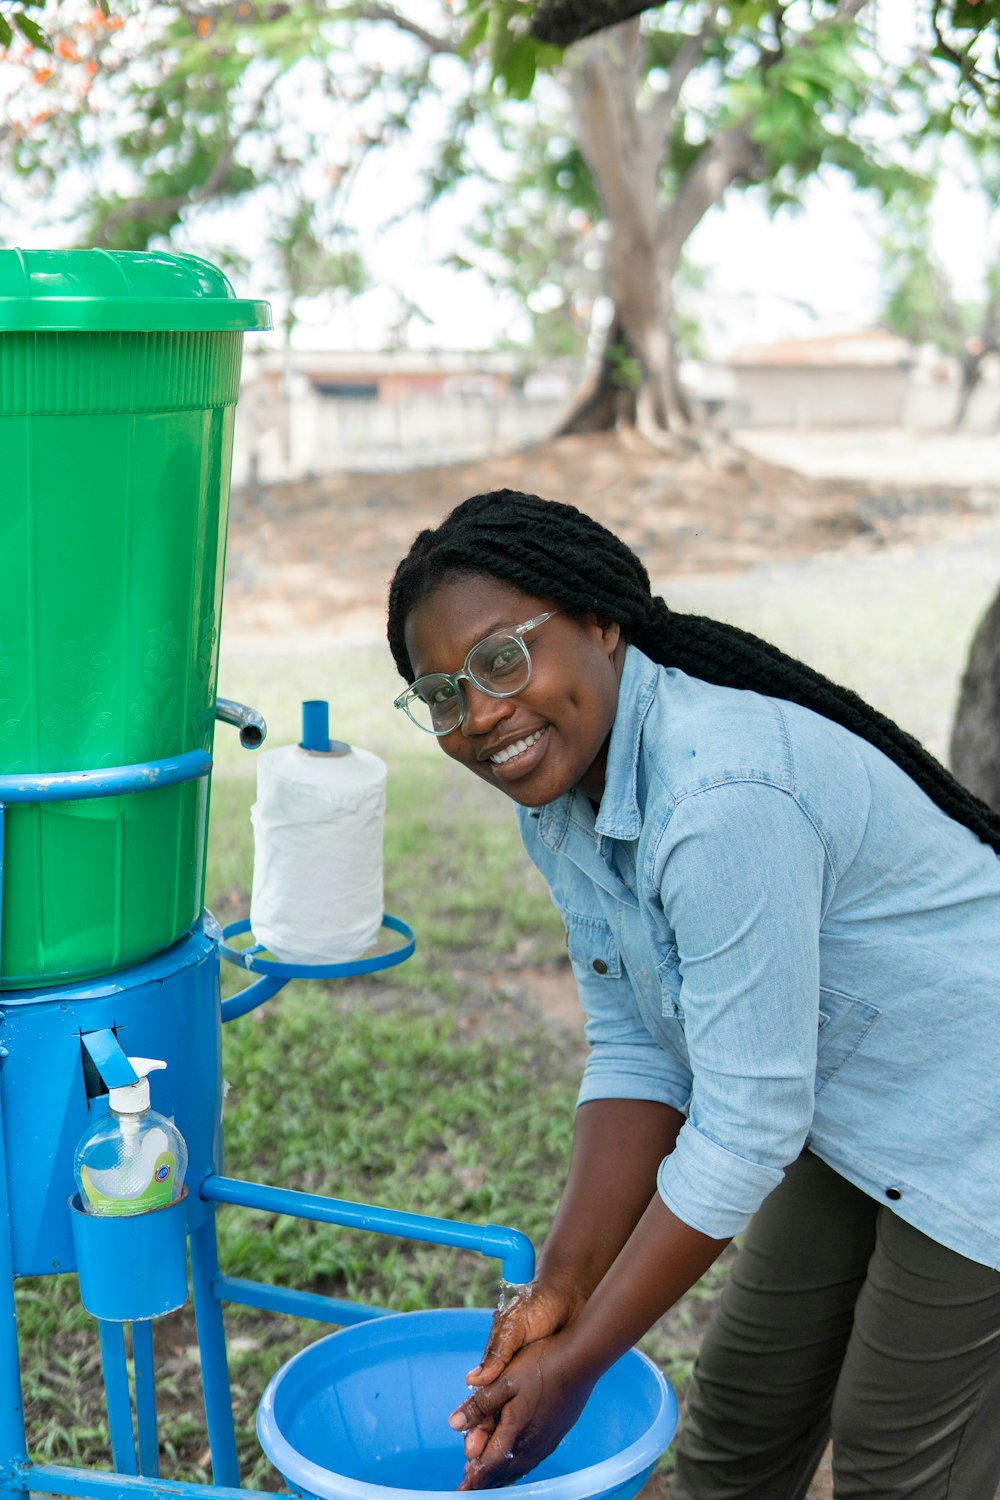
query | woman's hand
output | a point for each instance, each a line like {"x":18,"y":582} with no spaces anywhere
{"x":538,"y":1309}
{"x":518,"y":1419}
{"x":511,"y":1424}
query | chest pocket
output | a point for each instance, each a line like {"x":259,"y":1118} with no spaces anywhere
{"x":593,"y":951}
{"x":844,"y":1022}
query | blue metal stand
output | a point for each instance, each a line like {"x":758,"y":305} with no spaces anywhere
{"x":55,"y":1042}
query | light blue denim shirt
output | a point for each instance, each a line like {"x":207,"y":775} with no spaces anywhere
{"x":775,"y":931}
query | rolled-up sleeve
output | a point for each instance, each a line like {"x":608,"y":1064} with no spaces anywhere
{"x":741,"y":871}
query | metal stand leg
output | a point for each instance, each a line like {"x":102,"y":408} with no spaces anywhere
{"x":13,"y":1443}
{"x":214,"y":1361}
{"x":145,"y":1398}
{"x":118,"y":1396}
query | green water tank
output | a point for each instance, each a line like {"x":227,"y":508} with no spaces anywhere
{"x":119,"y":376}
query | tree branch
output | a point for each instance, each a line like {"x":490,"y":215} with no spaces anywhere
{"x":687,"y":59}
{"x":609,"y":128}
{"x":141,"y":208}
{"x":968,"y":69}
{"x":374,"y":11}
{"x":732,"y":154}
{"x":562,"y":22}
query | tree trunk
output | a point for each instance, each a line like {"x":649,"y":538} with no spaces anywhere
{"x":604,"y":403}
{"x":971,"y":375}
{"x":624,"y":145}
{"x":975,"y":739}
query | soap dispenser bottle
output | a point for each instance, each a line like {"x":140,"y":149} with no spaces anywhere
{"x":132,"y":1160}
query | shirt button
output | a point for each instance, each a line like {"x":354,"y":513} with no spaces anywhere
{"x":600,"y":967}
{"x":893,"y":1193}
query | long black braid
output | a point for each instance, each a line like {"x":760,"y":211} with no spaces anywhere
{"x":554,"y":551}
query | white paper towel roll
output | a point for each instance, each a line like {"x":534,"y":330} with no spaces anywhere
{"x":317,"y":874}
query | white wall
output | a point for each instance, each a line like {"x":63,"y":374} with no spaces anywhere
{"x":317,"y":435}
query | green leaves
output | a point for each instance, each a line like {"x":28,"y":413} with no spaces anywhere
{"x":16,"y":18}
{"x":502,"y":27}
{"x":921,"y":303}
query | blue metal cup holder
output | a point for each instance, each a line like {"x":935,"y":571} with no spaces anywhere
{"x":132,"y":1267}
{"x":274,"y":974}
{"x":249,"y":958}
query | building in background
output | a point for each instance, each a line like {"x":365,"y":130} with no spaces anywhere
{"x":310,"y":413}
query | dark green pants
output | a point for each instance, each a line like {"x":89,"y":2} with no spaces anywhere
{"x":840,"y":1320}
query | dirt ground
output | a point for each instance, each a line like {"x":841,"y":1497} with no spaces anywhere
{"x":310,"y":561}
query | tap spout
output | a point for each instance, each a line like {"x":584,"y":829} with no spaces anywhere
{"x":250,"y":723}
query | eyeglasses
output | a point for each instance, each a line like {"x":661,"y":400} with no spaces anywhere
{"x":499,"y":666}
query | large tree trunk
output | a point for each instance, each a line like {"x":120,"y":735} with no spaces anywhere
{"x":971,"y":376}
{"x":975,"y":739}
{"x":625,"y":144}
{"x":604,"y":403}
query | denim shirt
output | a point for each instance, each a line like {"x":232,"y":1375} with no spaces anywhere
{"x":775,"y":931}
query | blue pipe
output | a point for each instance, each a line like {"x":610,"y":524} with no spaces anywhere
{"x":316,"y":725}
{"x":58,"y":1479}
{"x":255,"y":994}
{"x":145,"y":1398}
{"x":214,"y":1357}
{"x":118,"y":1397}
{"x":113,"y":781}
{"x":294,"y":1304}
{"x":316,"y":729}
{"x":512,"y":1248}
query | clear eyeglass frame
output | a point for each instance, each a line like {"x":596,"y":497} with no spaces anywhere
{"x":419,"y":707}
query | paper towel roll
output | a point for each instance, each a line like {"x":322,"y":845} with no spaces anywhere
{"x":317,"y":874}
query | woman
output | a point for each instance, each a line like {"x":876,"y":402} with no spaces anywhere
{"x":784,"y":920}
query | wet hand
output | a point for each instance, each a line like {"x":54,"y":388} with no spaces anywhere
{"x":537,"y":1310}
{"x":517,"y":1420}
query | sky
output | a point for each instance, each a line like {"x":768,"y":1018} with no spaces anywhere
{"x":802,"y":273}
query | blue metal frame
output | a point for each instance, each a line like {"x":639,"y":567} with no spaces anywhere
{"x":512,"y":1248}
{"x":275,"y":975}
{"x":137,"y":1471}
{"x":112,"y":781}
{"x":248,"y":958}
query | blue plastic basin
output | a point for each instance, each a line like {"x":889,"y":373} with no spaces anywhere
{"x":363,"y":1415}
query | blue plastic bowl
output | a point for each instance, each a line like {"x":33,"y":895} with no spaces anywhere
{"x":363,"y":1415}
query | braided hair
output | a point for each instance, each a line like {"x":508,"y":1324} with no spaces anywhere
{"x":554,"y":551}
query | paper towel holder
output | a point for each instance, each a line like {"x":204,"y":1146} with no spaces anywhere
{"x":316,"y":730}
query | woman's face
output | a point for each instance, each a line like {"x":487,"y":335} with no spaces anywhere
{"x":564,"y":714}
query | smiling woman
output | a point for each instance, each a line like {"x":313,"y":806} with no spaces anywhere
{"x":782,"y":916}
{"x":548,"y":733}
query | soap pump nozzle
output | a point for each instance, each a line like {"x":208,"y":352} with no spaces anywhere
{"x":133,"y":1098}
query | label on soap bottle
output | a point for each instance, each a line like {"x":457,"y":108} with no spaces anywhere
{"x":156,"y":1194}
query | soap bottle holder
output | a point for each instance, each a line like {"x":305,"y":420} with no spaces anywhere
{"x":132,"y":1267}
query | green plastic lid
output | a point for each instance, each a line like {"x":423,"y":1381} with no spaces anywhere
{"x":98,"y":291}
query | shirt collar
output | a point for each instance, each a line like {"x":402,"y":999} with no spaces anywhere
{"x":620,"y":816}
